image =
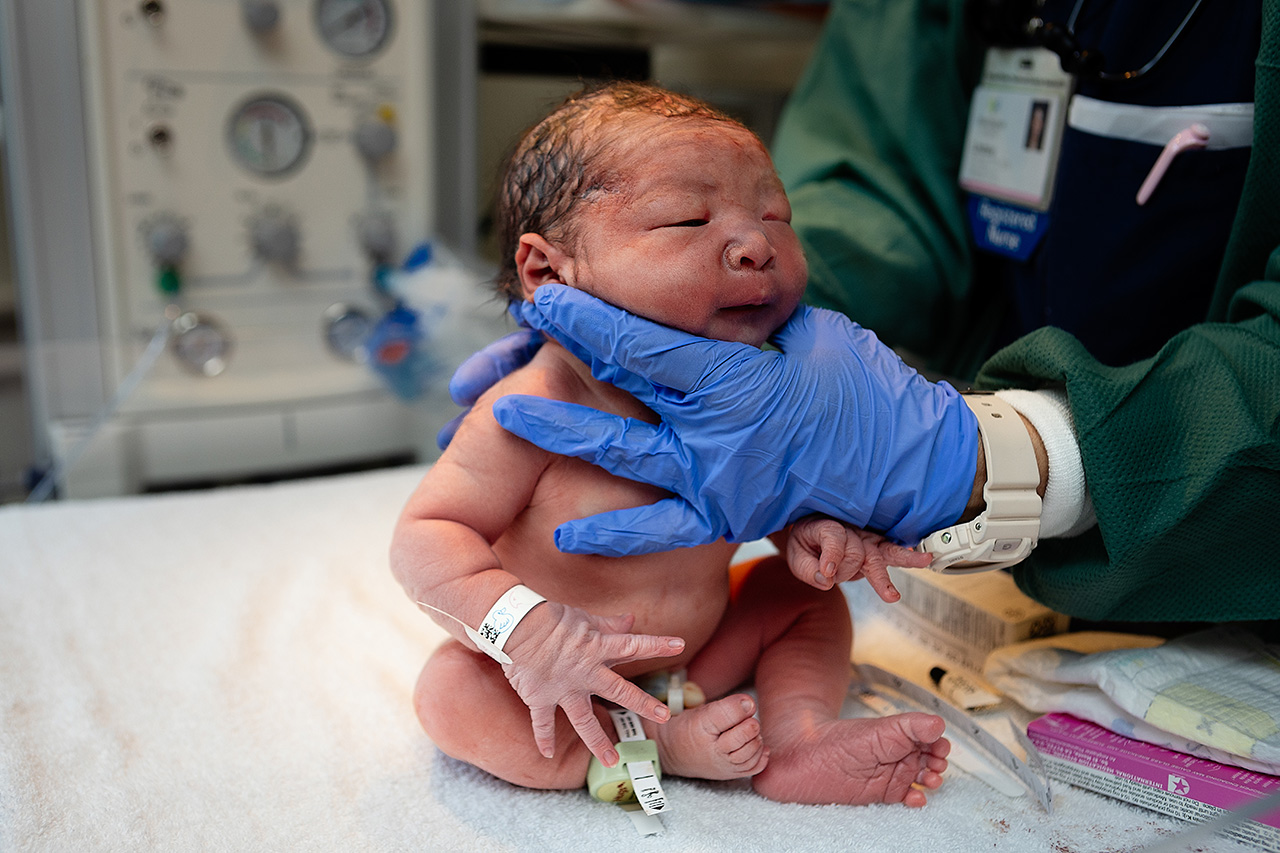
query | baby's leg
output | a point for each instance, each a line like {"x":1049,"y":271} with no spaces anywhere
{"x":468,"y":708}
{"x":799,"y":639}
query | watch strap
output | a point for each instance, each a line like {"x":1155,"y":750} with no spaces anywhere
{"x":1007,"y":530}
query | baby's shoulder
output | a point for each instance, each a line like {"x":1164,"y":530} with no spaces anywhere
{"x":549,"y":374}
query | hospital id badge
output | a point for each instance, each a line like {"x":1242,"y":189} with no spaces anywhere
{"x":1015,"y":127}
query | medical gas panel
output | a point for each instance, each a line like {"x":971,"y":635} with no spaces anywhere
{"x":253,"y":165}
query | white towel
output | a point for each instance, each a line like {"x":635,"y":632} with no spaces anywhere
{"x":233,"y":670}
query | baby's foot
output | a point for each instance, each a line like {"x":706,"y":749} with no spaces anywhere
{"x":719,"y":740}
{"x":858,"y":761}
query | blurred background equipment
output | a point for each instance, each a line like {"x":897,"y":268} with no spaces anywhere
{"x":254,"y":162}
{"x":305,"y":186}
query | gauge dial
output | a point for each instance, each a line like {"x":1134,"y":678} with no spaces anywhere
{"x":269,"y":135}
{"x":354,"y":28}
{"x":345,"y":330}
{"x":200,"y":344}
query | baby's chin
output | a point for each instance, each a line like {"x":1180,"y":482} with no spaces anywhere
{"x":747,"y":325}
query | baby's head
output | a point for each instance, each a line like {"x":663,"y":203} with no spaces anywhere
{"x":658,"y":203}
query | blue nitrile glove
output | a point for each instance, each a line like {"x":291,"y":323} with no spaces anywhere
{"x":751,"y":440}
{"x":482,"y":369}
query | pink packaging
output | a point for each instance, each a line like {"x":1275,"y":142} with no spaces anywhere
{"x":1095,"y":748}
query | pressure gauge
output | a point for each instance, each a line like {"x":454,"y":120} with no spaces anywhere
{"x":269,"y":135}
{"x":200,"y":344}
{"x":345,"y":330}
{"x":354,"y":28}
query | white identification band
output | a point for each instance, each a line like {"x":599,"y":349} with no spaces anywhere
{"x":644,"y":779}
{"x":1008,"y":529}
{"x":506,"y":613}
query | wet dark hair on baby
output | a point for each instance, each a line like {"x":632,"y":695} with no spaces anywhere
{"x":564,"y":160}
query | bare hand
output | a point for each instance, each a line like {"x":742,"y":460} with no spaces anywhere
{"x":568,"y":660}
{"x":823,"y":552}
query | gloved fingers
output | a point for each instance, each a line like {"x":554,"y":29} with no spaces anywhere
{"x":661,"y":526}
{"x":658,"y":354}
{"x":483,"y":369}
{"x":622,"y":446}
{"x":449,"y":430}
{"x":606,"y":371}
{"x":809,"y":329}
{"x":797,"y":335}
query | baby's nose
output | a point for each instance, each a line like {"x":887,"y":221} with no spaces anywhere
{"x":750,"y":251}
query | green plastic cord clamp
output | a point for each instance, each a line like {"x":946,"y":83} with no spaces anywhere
{"x":613,"y":784}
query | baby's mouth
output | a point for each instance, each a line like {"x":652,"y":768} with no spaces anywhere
{"x":745,"y":308}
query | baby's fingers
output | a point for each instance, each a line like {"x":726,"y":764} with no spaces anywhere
{"x":622,"y":692}
{"x":582,"y":716}
{"x":806,"y":569}
{"x":544,"y":729}
{"x":625,"y":648}
{"x":835,"y":555}
{"x":876,"y":572}
{"x":898,"y":555}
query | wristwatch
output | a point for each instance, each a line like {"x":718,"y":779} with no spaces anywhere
{"x":1008,"y":529}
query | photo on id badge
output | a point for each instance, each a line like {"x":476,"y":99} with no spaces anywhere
{"x":1015,"y":127}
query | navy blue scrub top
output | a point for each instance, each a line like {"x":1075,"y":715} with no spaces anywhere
{"x":1158,"y":262}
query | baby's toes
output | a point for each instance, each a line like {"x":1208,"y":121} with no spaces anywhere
{"x":723,"y":716}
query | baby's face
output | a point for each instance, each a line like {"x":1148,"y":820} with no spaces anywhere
{"x":699,"y":236}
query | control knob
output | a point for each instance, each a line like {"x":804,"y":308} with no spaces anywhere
{"x":375,"y":139}
{"x":260,"y":16}
{"x":167,"y":241}
{"x":275,"y":238}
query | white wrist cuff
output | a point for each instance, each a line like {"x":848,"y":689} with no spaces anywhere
{"x":506,"y":613}
{"x":1066,"y":509}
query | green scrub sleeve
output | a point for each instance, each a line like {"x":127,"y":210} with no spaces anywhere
{"x":1181,"y":454}
{"x":869,"y":148}
{"x":1181,"y":451}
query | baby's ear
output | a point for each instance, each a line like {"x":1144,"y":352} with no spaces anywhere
{"x":539,"y":262}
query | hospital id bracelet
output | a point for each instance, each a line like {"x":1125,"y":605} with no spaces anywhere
{"x":506,"y":613}
{"x":1008,"y":529}
{"x":614,"y":784}
{"x":636,"y":775}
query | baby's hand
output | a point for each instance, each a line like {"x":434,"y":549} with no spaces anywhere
{"x":568,"y":659}
{"x":823,"y":552}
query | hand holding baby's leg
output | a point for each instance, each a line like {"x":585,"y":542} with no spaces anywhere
{"x":565,"y":657}
{"x":823,"y":552}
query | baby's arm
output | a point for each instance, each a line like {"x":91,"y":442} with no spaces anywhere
{"x":823,"y":552}
{"x":442,"y":555}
